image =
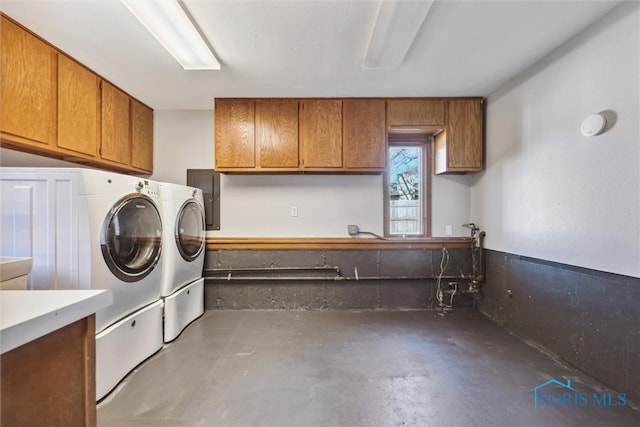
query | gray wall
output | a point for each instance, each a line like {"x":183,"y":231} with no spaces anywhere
{"x":589,"y":318}
{"x":386,"y":279}
{"x":561,"y":210}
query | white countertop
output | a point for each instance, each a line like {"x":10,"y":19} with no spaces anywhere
{"x":12,"y":267}
{"x":28,"y":315}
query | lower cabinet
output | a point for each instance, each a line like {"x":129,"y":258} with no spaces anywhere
{"x":51,"y":380}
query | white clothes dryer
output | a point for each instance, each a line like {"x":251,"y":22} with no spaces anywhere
{"x":183,"y":243}
{"x":90,"y":229}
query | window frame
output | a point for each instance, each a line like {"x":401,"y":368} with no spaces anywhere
{"x":426,"y":142}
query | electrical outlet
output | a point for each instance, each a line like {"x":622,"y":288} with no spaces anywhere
{"x":353,"y":230}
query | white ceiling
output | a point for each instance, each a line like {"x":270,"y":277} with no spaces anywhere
{"x":313,"y":48}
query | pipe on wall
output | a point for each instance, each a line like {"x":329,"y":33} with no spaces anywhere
{"x":237,"y":274}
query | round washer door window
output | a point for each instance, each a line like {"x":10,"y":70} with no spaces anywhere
{"x":190,"y":234}
{"x":131,"y":238}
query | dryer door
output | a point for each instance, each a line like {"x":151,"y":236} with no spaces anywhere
{"x":189,"y":233}
{"x":131,"y":237}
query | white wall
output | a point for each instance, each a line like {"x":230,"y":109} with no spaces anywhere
{"x":549,"y":192}
{"x":13,"y":158}
{"x":182,"y":139}
{"x":260,"y":206}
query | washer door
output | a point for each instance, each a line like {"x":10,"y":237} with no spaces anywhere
{"x":189,"y":233}
{"x":131,"y":238}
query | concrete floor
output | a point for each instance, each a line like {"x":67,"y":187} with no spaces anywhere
{"x":350,"y":368}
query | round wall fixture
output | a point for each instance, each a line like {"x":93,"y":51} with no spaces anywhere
{"x":593,"y":125}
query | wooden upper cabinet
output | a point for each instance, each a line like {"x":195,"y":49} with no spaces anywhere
{"x":343,"y":135}
{"x":78,"y":108}
{"x":141,"y":136}
{"x":28,"y":84}
{"x":417,"y":113}
{"x":116,"y":125}
{"x":459,"y":148}
{"x":321,"y":133}
{"x":364,"y":137}
{"x":276,"y":133}
{"x":52,"y":105}
{"x":234,"y":134}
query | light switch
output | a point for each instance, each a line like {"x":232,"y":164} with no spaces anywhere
{"x":294,"y":211}
{"x":448,"y":230}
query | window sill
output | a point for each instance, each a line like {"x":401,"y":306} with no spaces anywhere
{"x":335,"y":243}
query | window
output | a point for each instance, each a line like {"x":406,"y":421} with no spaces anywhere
{"x":407,"y":187}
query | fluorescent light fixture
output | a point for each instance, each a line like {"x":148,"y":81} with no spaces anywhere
{"x":173,"y":28}
{"x":396,"y":27}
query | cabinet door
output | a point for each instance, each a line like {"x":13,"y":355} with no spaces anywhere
{"x":364,"y":141}
{"x":28,"y":84}
{"x":234,"y":133}
{"x":141,"y":136}
{"x":276,"y":131}
{"x":116,"y":127}
{"x":78,"y":108}
{"x":416,"y":112}
{"x":459,"y":148}
{"x":321,"y":133}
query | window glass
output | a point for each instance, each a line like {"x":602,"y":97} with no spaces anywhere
{"x":406,"y":192}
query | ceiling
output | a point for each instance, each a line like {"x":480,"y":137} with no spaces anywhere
{"x":312,"y":48}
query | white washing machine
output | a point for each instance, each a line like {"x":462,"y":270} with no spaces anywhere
{"x":183,"y":243}
{"x":89,"y":229}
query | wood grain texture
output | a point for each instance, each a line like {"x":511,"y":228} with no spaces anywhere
{"x":78,"y":108}
{"x":415,"y":112}
{"x":440,"y":153}
{"x":234,"y":134}
{"x":464,"y":135}
{"x":28,"y":82}
{"x":141,"y":136}
{"x":460,"y":147}
{"x":329,"y":243}
{"x":116,"y":125}
{"x":321,"y":133}
{"x":364,"y":139}
{"x":51,"y":381}
{"x":276,"y":129}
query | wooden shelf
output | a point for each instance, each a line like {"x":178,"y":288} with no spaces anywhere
{"x":334,"y":243}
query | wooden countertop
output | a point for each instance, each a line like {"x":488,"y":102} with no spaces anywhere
{"x":335,"y":243}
